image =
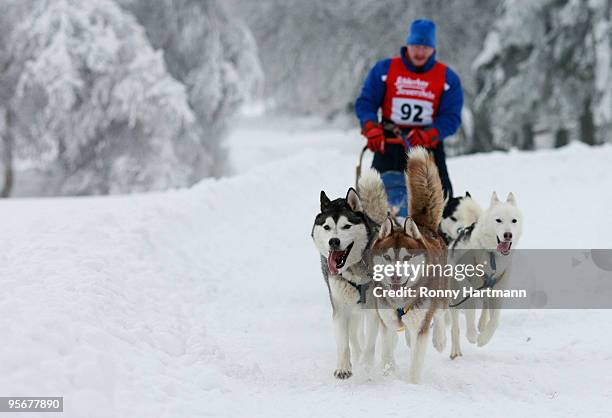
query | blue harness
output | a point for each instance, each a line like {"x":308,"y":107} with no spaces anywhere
{"x":489,"y":279}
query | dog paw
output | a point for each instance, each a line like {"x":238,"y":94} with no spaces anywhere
{"x":471,"y":336}
{"x":388,"y":368}
{"x":455,"y":354}
{"x":484,"y":338}
{"x":415,"y":378}
{"x":342,"y":374}
{"x":439,"y":342}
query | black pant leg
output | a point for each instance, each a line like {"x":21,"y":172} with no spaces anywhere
{"x":394,"y":159}
{"x":440,"y":158}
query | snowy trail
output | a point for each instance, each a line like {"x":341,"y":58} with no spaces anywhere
{"x":210,"y":302}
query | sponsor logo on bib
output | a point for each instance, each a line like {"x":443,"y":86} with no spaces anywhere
{"x":413,"y":87}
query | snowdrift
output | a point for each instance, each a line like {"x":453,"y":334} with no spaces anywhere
{"x":209,"y":301}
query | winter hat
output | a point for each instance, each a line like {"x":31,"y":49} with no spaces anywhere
{"x":422,"y":32}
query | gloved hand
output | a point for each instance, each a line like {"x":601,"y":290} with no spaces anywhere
{"x":426,"y":138}
{"x":375,"y":135}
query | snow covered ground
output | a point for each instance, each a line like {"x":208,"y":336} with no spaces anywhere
{"x":210,"y":301}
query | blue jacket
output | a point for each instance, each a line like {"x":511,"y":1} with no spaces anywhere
{"x":448,"y":117}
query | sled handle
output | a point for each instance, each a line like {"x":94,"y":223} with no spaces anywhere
{"x":394,"y":140}
{"x":358,"y":168}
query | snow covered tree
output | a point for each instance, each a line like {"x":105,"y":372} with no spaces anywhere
{"x":12,"y":11}
{"x":546,"y":70}
{"x":97,"y":103}
{"x":94,"y":107}
{"x":212,"y":53}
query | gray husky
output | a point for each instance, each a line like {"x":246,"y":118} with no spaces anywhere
{"x":342,"y":233}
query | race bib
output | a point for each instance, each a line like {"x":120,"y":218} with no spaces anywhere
{"x":412,"y":112}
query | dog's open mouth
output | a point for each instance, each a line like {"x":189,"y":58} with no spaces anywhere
{"x":336,"y":259}
{"x":504,"y":246}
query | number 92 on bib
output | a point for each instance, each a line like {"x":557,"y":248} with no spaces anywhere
{"x":412,"y":112}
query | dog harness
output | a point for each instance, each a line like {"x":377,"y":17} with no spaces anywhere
{"x":447,"y":238}
{"x":489,"y":279}
{"x":464,"y":232}
{"x":400,"y":313}
{"x":361,"y":288}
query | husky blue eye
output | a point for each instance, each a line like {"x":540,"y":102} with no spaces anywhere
{"x":346,"y":227}
{"x":514,"y":221}
{"x":498,"y":220}
{"x":326,"y":227}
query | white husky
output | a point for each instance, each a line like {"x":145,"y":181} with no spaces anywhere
{"x":496,"y":231}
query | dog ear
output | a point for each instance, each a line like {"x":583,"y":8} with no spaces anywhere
{"x":511,"y":199}
{"x":411,"y":229}
{"x":352,"y":198}
{"x":385,"y":229}
{"x":494,"y":199}
{"x":467,"y":194}
{"x":324,"y":201}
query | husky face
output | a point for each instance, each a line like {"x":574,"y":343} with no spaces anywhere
{"x":459,"y":213}
{"x":340,"y":231}
{"x":506,"y":221}
{"x":398,"y":245}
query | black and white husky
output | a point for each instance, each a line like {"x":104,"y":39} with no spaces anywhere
{"x":459,"y":213}
{"x":342,"y":232}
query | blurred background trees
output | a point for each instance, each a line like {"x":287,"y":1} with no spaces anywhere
{"x":545,"y":70}
{"x":114,"y":96}
{"x":534,"y":72}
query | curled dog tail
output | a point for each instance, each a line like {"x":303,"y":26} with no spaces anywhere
{"x":425,"y":189}
{"x":373,"y":196}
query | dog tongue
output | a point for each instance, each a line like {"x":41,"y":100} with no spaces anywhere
{"x":503,"y":246}
{"x":332,"y":261}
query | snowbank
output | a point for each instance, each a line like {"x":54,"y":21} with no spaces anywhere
{"x":209,"y":301}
